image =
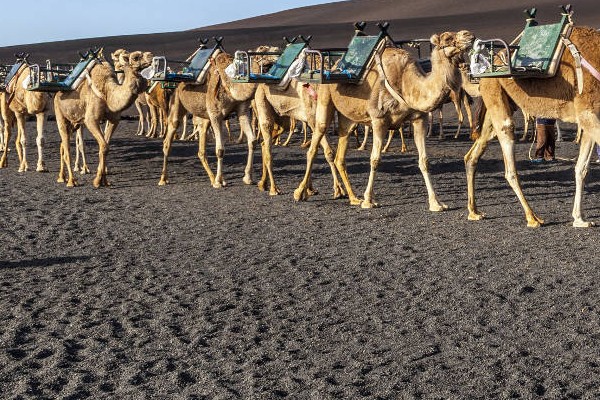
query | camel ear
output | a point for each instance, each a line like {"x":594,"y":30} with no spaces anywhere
{"x":435,"y":40}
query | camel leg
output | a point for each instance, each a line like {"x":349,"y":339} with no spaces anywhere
{"x":6,"y":133}
{"x":340,"y":159}
{"x":379,"y":131}
{"x":586,"y":148}
{"x":291,"y":132}
{"x":338,"y":190}
{"x":469,"y":115}
{"x":141,"y":122}
{"x":80,"y":145}
{"x":202,"y":126}
{"x":419,"y":137}
{"x":266,"y":127}
{"x":441,"y":123}
{"x":21,"y":143}
{"x":324,"y":115}
{"x":246,"y":128}
{"x":153,"y":122}
{"x":215,"y":123}
{"x":403,"y":147}
{"x":507,"y":143}
{"x":363,"y":145}
{"x":306,"y":142}
{"x":526,"y":120}
{"x":96,"y":131}
{"x":40,"y":141}
{"x":460,"y":116}
{"x":389,"y":141}
{"x":175,"y":115}
{"x":64,"y":130}
{"x":429,"y":123}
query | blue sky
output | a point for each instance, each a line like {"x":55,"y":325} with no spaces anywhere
{"x":52,"y":20}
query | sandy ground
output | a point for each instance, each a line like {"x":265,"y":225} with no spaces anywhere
{"x":185,"y":291}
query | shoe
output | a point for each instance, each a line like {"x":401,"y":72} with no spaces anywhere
{"x":550,"y":160}
{"x":597,"y":160}
{"x":537,"y":160}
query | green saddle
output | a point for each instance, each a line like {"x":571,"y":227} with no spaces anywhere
{"x":67,"y":83}
{"x":537,"y":54}
{"x":352,"y":64}
{"x":276,"y":73}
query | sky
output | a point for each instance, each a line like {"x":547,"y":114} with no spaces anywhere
{"x":53,"y":20}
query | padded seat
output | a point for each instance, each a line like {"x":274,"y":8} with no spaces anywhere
{"x":537,"y":54}
{"x":192,"y":72}
{"x":353,"y":65}
{"x":278,"y":70}
{"x":69,"y":83}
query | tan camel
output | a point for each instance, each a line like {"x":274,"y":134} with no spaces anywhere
{"x":157,"y":99}
{"x":22,"y":103}
{"x":213,"y":100}
{"x":397,"y":91}
{"x":557,"y":97}
{"x":295,"y":102}
{"x":100,"y":98}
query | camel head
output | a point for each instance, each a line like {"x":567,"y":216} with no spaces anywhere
{"x":119,"y":62}
{"x":138,"y":61}
{"x":452,"y":45}
{"x":148,"y":56}
{"x":262,"y":63}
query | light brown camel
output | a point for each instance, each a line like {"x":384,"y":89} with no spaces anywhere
{"x":100,"y":98}
{"x":213,"y":100}
{"x":372,"y":102}
{"x":22,"y":103}
{"x":295,"y":102}
{"x":555,"y":97}
{"x":157,"y":99}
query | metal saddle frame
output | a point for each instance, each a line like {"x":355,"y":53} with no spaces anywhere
{"x":192,"y":70}
{"x":62,"y":77}
{"x":349,"y":65}
{"x":535,"y":53}
{"x":277,"y":70}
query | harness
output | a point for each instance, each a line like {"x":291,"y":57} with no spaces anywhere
{"x":580,"y":61}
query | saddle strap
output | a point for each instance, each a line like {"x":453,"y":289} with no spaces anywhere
{"x":580,"y":61}
{"x":397,"y":96}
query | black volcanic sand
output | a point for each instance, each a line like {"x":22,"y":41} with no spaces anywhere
{"x":185,"y":291}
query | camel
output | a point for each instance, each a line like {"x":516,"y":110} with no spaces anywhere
{"x":102,"y":97}
{"x":396,"y":91}
{"x":298,"y":104}
{"x":213,"y":100}
{"x":157,"y":99}
{"x":23,"y":102}
{"x":555,"y":97}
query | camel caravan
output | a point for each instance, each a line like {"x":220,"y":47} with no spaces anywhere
{"x":375,"y":82}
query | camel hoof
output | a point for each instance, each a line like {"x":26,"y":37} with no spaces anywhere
{"x":274,"y":192}
{"x":355,"y":201}
{"x":60,"y":179}
{"x":361,"y":148}
{"x":247,"y":180}
{"x":583,"y":224}
{"x":41,"y":168}
{"x":368,"y":204}
{"x":305,"y":145}
{"x":533,"y":221}
{"x":312,"y":191}
{"x":438,"y":207}
{"x":217,"y":185}
{"x":163,"y":182}
{"x":300,"y":195}
{"x":476,"y":216}
{"x":262,"y":186}
{"x":96,"y":183}
{"x":72,"y":183}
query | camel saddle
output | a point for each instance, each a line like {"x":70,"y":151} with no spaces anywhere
{"x":535,"y":53}
{"x":192,"y":71}
{"x":59,"y":80}
{"x":348,"y":65}
{"x":278,"y":70}
{"x":11,"y":75}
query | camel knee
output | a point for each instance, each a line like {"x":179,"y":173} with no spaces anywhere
{"x":374,"y":163}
